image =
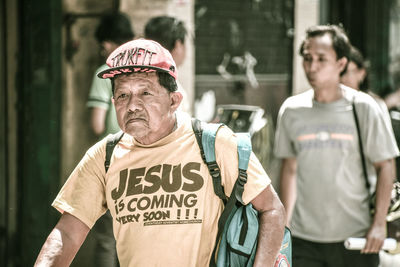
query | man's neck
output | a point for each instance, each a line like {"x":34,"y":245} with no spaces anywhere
{"x":328,"y":94}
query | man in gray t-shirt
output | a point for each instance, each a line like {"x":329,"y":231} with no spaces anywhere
{"x":322,"y":182}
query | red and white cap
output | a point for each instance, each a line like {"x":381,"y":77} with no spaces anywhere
{"x":139,"y":55}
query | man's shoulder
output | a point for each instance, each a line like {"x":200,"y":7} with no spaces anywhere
{"x":358,"y":96}
{"x":98,"y":82}
{"x":100,"y":91}
{"x":303,"y":99}
{"x":101,"y":68}
{"x":97,"y":150}
{"x":362,"y":100}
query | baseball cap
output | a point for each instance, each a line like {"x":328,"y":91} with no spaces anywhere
{"x":139,"y":55}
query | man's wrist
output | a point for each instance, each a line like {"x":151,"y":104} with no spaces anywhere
{"x":379,"y":220}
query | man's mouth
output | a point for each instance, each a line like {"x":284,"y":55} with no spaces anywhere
{"x":133,"y":120}
{"x":311,"y":78}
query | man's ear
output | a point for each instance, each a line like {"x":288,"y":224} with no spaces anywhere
{"x":342,"y":63}
{"x":176,"y":99}
{"x":363,"y":74}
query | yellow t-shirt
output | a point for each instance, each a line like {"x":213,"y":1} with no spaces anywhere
{"x":161,"y":196}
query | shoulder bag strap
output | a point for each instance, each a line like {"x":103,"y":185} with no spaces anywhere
{"x":363,"y":162}
{"x":364,"y":166}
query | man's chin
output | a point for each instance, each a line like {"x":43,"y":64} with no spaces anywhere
{"x":310,"y":80}
{"x":133,"y":128}
{"x":313,"y":83}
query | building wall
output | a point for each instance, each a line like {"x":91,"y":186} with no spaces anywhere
{"x":8,"y":131}
{"x":306,"y":15}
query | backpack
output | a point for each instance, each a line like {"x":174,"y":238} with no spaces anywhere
{"x":238,"y":225}
{"x":237,"y":235}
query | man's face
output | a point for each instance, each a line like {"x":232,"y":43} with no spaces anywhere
{"x":145,"y":109}
{"x":179,"y":53}
{"x":353,"y":76}
{"x":320,"y":62}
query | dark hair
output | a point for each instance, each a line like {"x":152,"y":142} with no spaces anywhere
{"x":114,"y":27}
{"x":358,"y":59}
{"x":165,"y":80}
{"x":166,"y":31}
{"x":340,"y":41}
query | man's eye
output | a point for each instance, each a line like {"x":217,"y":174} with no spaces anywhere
{"x":122,"y":96}
{"x":146,"y":93}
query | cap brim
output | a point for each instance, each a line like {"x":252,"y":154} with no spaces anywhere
{"x":112,"y":72}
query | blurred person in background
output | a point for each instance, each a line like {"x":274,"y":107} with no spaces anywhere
{"x":113,"y":30}
{"x":171,"y":33}
{"x":322,"y":184}
{"x":356,"y":77}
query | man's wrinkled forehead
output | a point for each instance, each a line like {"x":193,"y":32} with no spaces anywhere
{"x":137,"y":76}
{"x":136,"y":79}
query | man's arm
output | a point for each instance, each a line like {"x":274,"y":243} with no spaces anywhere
{"x":98,"y":120}
{"x":272,"y":225}
{"x":377,"y":232}
{"x":63,"y":242}
{"x":288,"y":186}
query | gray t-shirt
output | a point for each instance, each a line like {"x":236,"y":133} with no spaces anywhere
{"x":332,"y":199}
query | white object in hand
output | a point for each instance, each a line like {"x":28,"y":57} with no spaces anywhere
{"x":353,"y":243}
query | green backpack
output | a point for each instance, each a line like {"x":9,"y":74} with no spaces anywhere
{"x":238,"y":225}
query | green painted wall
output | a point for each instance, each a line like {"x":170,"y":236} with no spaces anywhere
{"x":39,"y":102}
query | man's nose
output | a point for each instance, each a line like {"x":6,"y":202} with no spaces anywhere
{"x":135,"y":103}
{"x":313,"y":65}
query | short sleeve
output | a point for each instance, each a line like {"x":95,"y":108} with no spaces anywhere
{"x":100,"y":92}
{"x":283,"y":146}
{"x":83,"y":194}
{"x":379,"y":141}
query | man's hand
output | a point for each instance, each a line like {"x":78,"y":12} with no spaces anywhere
{"x":375,"y":237}
{"x":377,"y":232}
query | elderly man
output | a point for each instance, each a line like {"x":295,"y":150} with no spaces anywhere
{"x":157,"y":188}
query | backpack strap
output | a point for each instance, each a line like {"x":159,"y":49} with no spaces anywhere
{"x":205,"y":136}
{"x":244,"y":152}
{"x":112,"y":141}
{"x":198,"y":132}
{"x":235,"y":200}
